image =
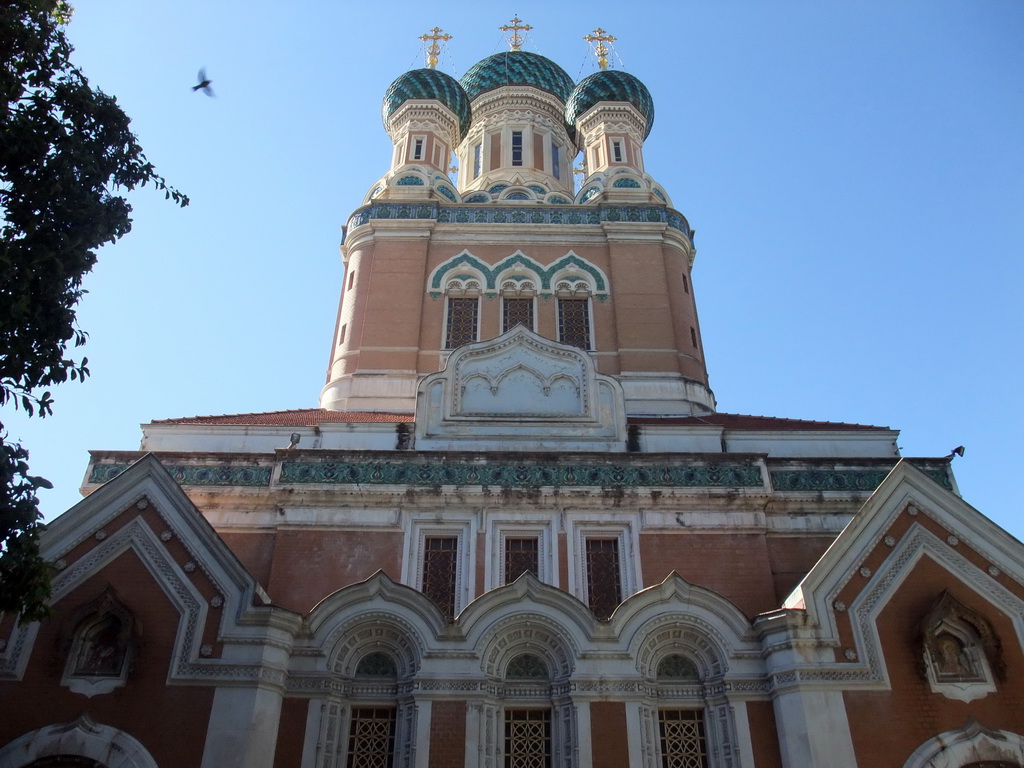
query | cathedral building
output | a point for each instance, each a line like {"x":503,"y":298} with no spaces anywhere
{"x":517,"y":532}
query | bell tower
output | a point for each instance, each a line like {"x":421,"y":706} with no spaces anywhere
{"x":435,"y":264}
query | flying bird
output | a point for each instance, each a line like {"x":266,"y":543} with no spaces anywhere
{"x":204,"y":83}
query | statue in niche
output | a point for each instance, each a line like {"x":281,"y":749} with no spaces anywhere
{"x":103,"y":649}
{"x":952,"y":659}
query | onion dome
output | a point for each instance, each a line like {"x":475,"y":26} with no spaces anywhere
{"x":610,"y":85}
{"x":428,"y":84}
{"x":517,"y":68}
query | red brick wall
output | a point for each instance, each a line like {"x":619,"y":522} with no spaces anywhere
{"x":310,"y":565}
{"x":291,"y":733}
{"x":791,"y":557}
{"x":763,"y":734}
{"x":608,"y":734}
{"x":255,"y":550}
{"x":910,"y":713}
{"x":152,"y":712}
{"x":447,"y":734}
{"x":735,"y":566}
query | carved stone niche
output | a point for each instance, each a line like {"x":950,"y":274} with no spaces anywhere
{"x":520,"y":387}
{"x":961,"y":653}
{"x":100,"y":645}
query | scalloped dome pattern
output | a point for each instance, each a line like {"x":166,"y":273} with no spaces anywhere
{"x":610,"y":85}
{"x":428,"y":84}
{"x":517,"y":68}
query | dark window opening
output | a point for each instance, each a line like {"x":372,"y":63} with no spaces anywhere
{"x":604,"y":589}
{"x":462,"y":320}
{"x":527,"y":738}
{"x":682,"y":740}
{"x":371,"y":741}
{"x":517,"y":147}
{"x":516,"y":312}
{"x":574,"y":322}
{"x":521,"y":556}
{"x":440,"y":568}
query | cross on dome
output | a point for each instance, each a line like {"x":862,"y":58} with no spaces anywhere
{"x":600,"y":37}
{"x":435,"y":36}
{"x":515,"y":40}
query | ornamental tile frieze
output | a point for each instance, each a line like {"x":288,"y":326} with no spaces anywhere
{"x":524,"y":476}
{"x":192,"y":474}
{"x":841,"y":479}
{"x":520,"y":214}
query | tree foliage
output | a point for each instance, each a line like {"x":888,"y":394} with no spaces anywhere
{"x":67,"y":158}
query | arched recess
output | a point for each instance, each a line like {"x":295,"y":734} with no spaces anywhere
{"x":973,"y":746}
{"x":81,"y":738}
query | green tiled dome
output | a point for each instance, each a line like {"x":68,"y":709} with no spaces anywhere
{"x":610,"y":85}
{"x":517,"y":68}
{"x":428,"y":84}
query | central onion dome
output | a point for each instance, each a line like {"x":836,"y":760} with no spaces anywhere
{"x":610,"y":85}
{"x":430,"y":84}
{"x":517,"y":68}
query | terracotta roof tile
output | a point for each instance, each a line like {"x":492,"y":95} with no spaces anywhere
{"x":745,"y":422}
{"x":302,"y":417}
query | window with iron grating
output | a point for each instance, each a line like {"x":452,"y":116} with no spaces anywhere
{"x":574,"y":322}
{"x":440,"y":566}
{"x":682,"y":738}
{"x":604,"y":587}
{"x":516,"y":312}
{"x":462,"y":322}
{"x":527,"y":738}
{"x":371,"y":741}
{"x":521,"y":556}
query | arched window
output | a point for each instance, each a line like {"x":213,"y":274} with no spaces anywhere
{"x":518,"y":303}
{"x":682,"y":741}
{"x":574,"y":325}
{"x":462,"y":312}
{"x":528,"y":718}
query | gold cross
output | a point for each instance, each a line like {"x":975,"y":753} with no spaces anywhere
{"x":600,"y":37}
{"x":434,"y":35}
{"x":515,"y":40}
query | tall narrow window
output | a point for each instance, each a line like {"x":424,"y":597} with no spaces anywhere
{"x":521,"y":556}
{"x":574,"y":322}
{"x":686,"y":284}
{"x":440,"y":568}
{"x":417,"y":149}
{"x":556,"y":167}
{"x":351,"y":279}
{"x":516,"y":311}
{"x":477,"y":153}
{"x":517,"y":147}
{"x":693,"y":336}
{"x":682,"y":738}
{"x":462,"y":322}
{"x":604,"y":589}
{"x":527,"y":738}
{"x":617,"y":151}
{"x":371,"y":741}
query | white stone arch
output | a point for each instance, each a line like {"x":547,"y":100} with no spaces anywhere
{"x":966,"y":746}
{"x":376,"y":631}
{"x":80,"y":738}
{"x":527,"y":633}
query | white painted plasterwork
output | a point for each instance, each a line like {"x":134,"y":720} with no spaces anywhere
{"x":81,"y":738}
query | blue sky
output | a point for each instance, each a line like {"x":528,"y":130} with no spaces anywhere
{"x":854,"y":172}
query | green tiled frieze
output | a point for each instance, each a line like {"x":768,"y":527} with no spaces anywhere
{"x":190,"y":474}
{"x":784,"y":480}
{"x":524,"y":476}
{"x":519,"y":214}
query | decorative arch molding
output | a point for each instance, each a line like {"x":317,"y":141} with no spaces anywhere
{"x":376,"y":632}
{"x":83,"y":737}
{"x":570,"y":265}
{"x":338,"y":618}
{"x":528,"y":633}
{"x":971,"y":745}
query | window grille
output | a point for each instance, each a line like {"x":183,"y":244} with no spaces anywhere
{"x":604,"y":590}
{"x":517,"y":147}
{"x":682,"y":738}
{"x":556,"y":169}
{"x":377,"y":664}
{"x":527,"y":738}
{"x":417,"y":152}
{"x":371,"y":742}
{"x":440,"y":565}
{"x":521,"y":556}
{"x":517,"y":312}
{"x":462,"y":320}
{"x":574,"y":322}
{"x":526,"y":666}
{"x":676,"y":667}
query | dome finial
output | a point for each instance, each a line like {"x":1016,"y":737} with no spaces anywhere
{"x":515,"y":40}
{"x":435,"y":36}
{"x":600,"y":37}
